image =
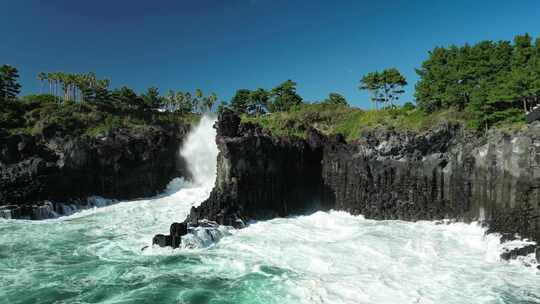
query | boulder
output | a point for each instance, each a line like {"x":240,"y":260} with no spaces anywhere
{"x":162,"y":240}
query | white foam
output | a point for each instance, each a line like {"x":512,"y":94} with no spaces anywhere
{"x":200,"y":151}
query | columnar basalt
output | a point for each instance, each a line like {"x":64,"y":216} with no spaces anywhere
{"x":446,"y":173}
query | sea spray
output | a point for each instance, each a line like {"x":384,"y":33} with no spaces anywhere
{"x":200,"y":152}
{"x":94,"y":256}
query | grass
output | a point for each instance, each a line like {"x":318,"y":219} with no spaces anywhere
{"x":351,"y":122}
{"x":81,"y":119}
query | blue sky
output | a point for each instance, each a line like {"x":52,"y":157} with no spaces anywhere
{"x":223,"y":45}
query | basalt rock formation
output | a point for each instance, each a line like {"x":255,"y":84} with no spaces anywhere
{"x":446,"y":173}
{"x":51,"y":167}
{"x":262,"y":177}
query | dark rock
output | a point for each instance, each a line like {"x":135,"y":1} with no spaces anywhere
{"x":177,"y":230}
{"x":125,"y":164}
{"x":228,"y":123}
{"x":445,"y":173}
{"x":538,"y":254}
{"x":533,"y":116}
{"x":261,"y":177}
{"x":514,"y":253}
{"x":162,"y":240}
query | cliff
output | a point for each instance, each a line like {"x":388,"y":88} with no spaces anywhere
{"x":446,"y":173}
{"x":124,"y":163}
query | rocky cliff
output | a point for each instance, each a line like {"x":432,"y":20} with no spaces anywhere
{"x":446,"y":173}
{"x":51,"y":167}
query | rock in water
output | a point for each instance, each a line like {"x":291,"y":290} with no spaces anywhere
{"x":522,"y":251}
{"x":177,"y":231}
{"x":162,"y":240}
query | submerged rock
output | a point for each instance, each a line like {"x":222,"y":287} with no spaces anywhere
{"x":521,"y":251}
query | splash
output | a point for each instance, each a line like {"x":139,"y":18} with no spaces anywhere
{"x":200,"y":152}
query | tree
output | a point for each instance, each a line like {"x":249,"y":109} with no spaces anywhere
{"x":41,"y":77}
{"x":41,"y":98}
{"x":258,"y":101}
{"x":241,"y":101}
{"x":152,"y":99}
{"x":408,"y":106}
{"x":493,"y":81}
{"x":336,"y":99}
{"x":126,"y":97}
{"x":284,"y":97}
{"x":210,"y":101}
{"x":184,"y":102}
{"x":198,"y":101}
{"x":385,"y":87}
{"x":9,"y":83}
{"x":222,"y":105}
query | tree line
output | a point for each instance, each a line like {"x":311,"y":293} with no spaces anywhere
{"x":281,"y":98}
{"x":87,"y":88}
{"x":494,"y":81}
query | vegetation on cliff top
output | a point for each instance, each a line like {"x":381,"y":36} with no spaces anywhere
{"x":489,"y":84}
{"x":82,"y":104}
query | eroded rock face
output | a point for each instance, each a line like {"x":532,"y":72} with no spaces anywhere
{"x":261,"y":177}
{"x":441,"y":174}
{"x":444,"y":173}
{"x":122,"y":164}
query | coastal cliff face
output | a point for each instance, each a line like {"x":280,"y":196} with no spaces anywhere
{"x":446,"y":173}
{"x":261,"y":177}
{"x":121,"y":164}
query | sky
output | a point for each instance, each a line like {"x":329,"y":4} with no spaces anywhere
{"x":224,"y":45}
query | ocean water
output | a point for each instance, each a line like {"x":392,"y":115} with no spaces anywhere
{"x":104,"y":255}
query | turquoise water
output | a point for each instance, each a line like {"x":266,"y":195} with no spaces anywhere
{"x":97,"y":256}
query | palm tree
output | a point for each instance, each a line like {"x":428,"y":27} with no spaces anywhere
{"x":171,"y":100}
{"x":198,"y":100}
{"x":210,"y":101}
{"x":189,"y":102}
{"x":41,"y":77}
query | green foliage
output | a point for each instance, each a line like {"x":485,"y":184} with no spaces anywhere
{"x":250,"y":102}
{"x":40,"y":98}
{"x":152,"y":99}
{"x":69,"y":87}
{"x":77,"y":119}
{"x":385,"y":87}
{"x":222,"y":105}
{"x":258,"y":101}
{"x":284,"y":97}
{"x":9,"y":82}
{"x":496,"y":82}
{"x":126,"y":98}
{"x":409,"y":106}
{"x":241,"y":101}
{"x":351,"y":122}
{"x":336,"y":99}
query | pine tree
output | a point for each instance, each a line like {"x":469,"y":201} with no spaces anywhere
{"x":284,"y":97}
{"x":9,"y":85}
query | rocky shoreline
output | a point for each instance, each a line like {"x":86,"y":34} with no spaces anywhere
{"x":446,"y":173}
{"x":50,"y":174}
